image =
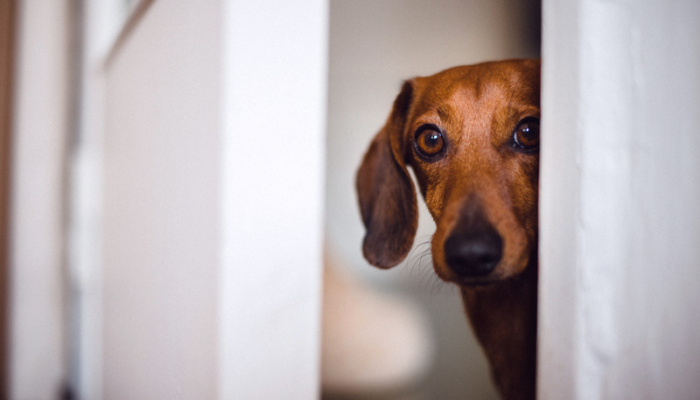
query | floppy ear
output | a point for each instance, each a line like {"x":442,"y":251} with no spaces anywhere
{"x":386,"y":193}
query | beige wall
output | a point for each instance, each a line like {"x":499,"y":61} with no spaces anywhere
{"x":160,"y":206}
{"x":38,"y":323}
{"x":374,"y":45}
{"x":212,"y":198}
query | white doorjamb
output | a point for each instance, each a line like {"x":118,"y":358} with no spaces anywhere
{"x":273,"y":115}
{"x":620,"y":188}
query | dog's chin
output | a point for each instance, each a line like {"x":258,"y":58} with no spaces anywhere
{"x":478,"y":282}
{"x":494,"y":278}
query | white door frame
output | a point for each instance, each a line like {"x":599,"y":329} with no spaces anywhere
{"x":619,"y":237}
{"x":275,"y":74}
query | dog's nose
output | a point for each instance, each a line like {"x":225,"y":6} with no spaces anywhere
{"x":473,"y":254}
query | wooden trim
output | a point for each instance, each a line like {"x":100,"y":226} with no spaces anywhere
{"x":7,"y":35}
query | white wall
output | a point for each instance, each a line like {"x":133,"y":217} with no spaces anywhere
{"x":37,"y":299}
{"x":620,"y":241}
{"x":273,"y":115}
{"x":212,"y":202}
{"x":161,"y":207}
{"x":171,"y":249}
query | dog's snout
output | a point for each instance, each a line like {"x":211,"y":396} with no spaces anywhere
{"x":474,"y":254}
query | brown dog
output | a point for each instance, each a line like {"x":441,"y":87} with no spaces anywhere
{"x":471,"y":135}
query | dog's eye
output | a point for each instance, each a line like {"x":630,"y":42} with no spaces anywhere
{"x":429,"y":142}
{"x":527,"y":134}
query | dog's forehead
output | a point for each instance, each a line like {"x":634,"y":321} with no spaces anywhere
{"x":516,"y":80}
{"x":466,"y":94}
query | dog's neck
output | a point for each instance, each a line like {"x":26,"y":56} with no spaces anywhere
{"x":504,"y":318}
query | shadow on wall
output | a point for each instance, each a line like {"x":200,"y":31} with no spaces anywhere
{"x":374,"y":46}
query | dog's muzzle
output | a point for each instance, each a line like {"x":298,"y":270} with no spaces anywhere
{"x":473,"y":251}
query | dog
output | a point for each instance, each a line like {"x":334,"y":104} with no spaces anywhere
{"x":471,"y":136}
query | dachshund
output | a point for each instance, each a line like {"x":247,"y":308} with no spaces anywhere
{"x":471,"y":136}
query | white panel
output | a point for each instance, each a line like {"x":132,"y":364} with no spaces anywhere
{"x":620,"y":241}
{"x":85,"y":219}
{"x":38,"y":358}
{"x":559,"y":202}
{"x":274,"y":121}
{"x":161,"y":205}
{"x":213,"y":177}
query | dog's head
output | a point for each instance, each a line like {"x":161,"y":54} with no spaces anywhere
{"x":471,"y":136}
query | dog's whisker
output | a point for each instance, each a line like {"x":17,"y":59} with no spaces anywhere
{"x":430,"y":280}
{"x":414,"y":259}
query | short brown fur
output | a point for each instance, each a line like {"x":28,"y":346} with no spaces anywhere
{"x":481,"y":174}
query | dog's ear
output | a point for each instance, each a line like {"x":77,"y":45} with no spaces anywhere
{"x":386,"y":193}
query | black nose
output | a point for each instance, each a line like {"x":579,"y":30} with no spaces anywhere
{"x":473,"y":253}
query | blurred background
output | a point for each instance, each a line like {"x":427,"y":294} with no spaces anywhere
{"x":374,"y":46}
